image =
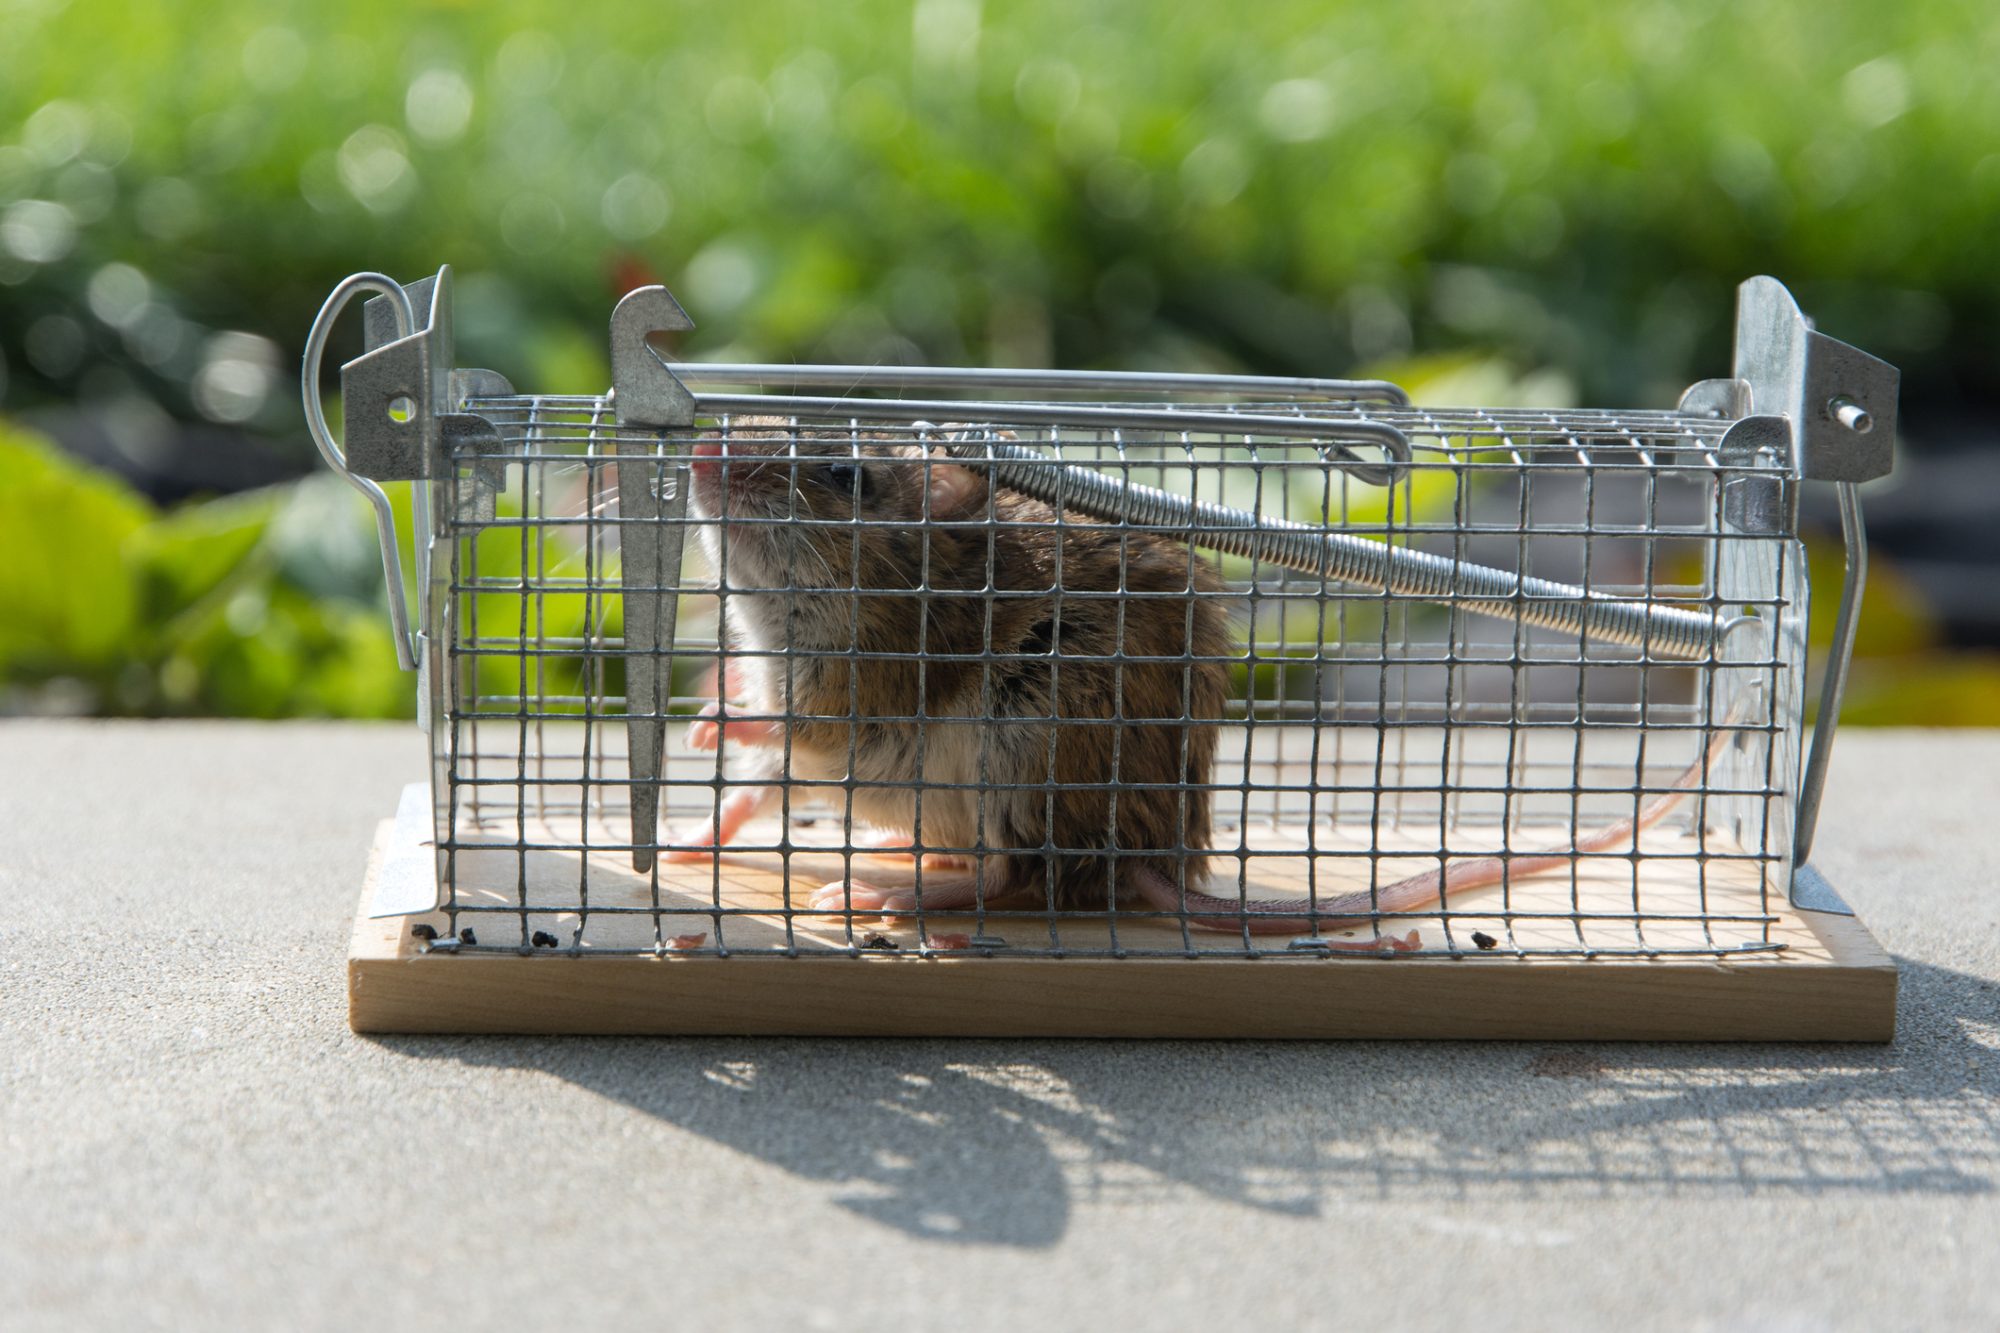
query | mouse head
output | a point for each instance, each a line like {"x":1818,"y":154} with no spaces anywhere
{"x":822,"y":508}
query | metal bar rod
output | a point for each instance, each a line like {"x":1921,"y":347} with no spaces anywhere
{"x":1058,"y":381}
{"x":1682,"y":634}
{"x":1486,"y":425}
{"x":1855,"y":534}
{"x":1333,"y":432}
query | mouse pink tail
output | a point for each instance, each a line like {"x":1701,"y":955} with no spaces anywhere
{"x":1362,"y":907}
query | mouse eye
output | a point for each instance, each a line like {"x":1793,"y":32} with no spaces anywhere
{"x":849,"y":477}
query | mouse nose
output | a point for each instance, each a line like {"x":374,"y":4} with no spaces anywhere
{"x":705,"y":453}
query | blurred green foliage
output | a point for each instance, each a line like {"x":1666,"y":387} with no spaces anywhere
{"x":1902,"y":673}
{"x":222,"y":607}
{"x":1291,"y":187}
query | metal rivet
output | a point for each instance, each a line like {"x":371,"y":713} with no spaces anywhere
{"x":1850,"y":414}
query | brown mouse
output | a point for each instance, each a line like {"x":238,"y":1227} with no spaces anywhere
{"x":1021,"y":804}
{"x":1018,"y":802}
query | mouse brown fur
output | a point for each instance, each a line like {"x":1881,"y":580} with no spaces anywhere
{"x":1086,"y":718}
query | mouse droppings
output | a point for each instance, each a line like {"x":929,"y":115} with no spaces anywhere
{"x":467,"y":937}
{"x":424,"y":931}
{"x":880,"y":942}
{"x":543,"y":940}
{"x":1484,"y":941}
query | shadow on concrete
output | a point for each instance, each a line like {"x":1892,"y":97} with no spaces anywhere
{"x":995,"y":1142}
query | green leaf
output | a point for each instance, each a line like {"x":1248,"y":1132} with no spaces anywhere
{"x":69,"y":603}
{"x":187,"y":554}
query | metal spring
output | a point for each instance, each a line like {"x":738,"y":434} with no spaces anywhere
{"x":1663,"y":631}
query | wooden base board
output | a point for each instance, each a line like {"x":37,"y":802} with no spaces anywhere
{"x":1833,"y":982}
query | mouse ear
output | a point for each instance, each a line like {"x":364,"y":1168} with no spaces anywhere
{"x":954,"y":488}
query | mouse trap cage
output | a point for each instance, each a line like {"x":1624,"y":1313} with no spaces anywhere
{"x":1190,"y":706}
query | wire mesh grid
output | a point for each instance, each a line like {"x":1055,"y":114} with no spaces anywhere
{"x":1440,"y":772}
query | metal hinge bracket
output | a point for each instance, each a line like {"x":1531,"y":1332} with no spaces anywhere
{"x":1839,"y":401}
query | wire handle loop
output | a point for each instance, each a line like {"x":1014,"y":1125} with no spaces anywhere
{"x":322,"y":436}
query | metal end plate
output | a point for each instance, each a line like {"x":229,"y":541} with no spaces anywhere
{"x":1840,"y":400}
{"x":408,"y":883}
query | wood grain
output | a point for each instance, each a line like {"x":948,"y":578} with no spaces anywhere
{"x":1832,"y":983}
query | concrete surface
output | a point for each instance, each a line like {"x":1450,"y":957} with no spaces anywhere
{"x":193,"y":1139}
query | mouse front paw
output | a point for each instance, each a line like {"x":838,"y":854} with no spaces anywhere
{"x":703,"y":733}
{"x":712,"y":725}
{"x":693,"y":849}
{"x":732,"y":812}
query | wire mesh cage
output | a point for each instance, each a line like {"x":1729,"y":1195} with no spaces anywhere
{"x":1035,"y":665}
